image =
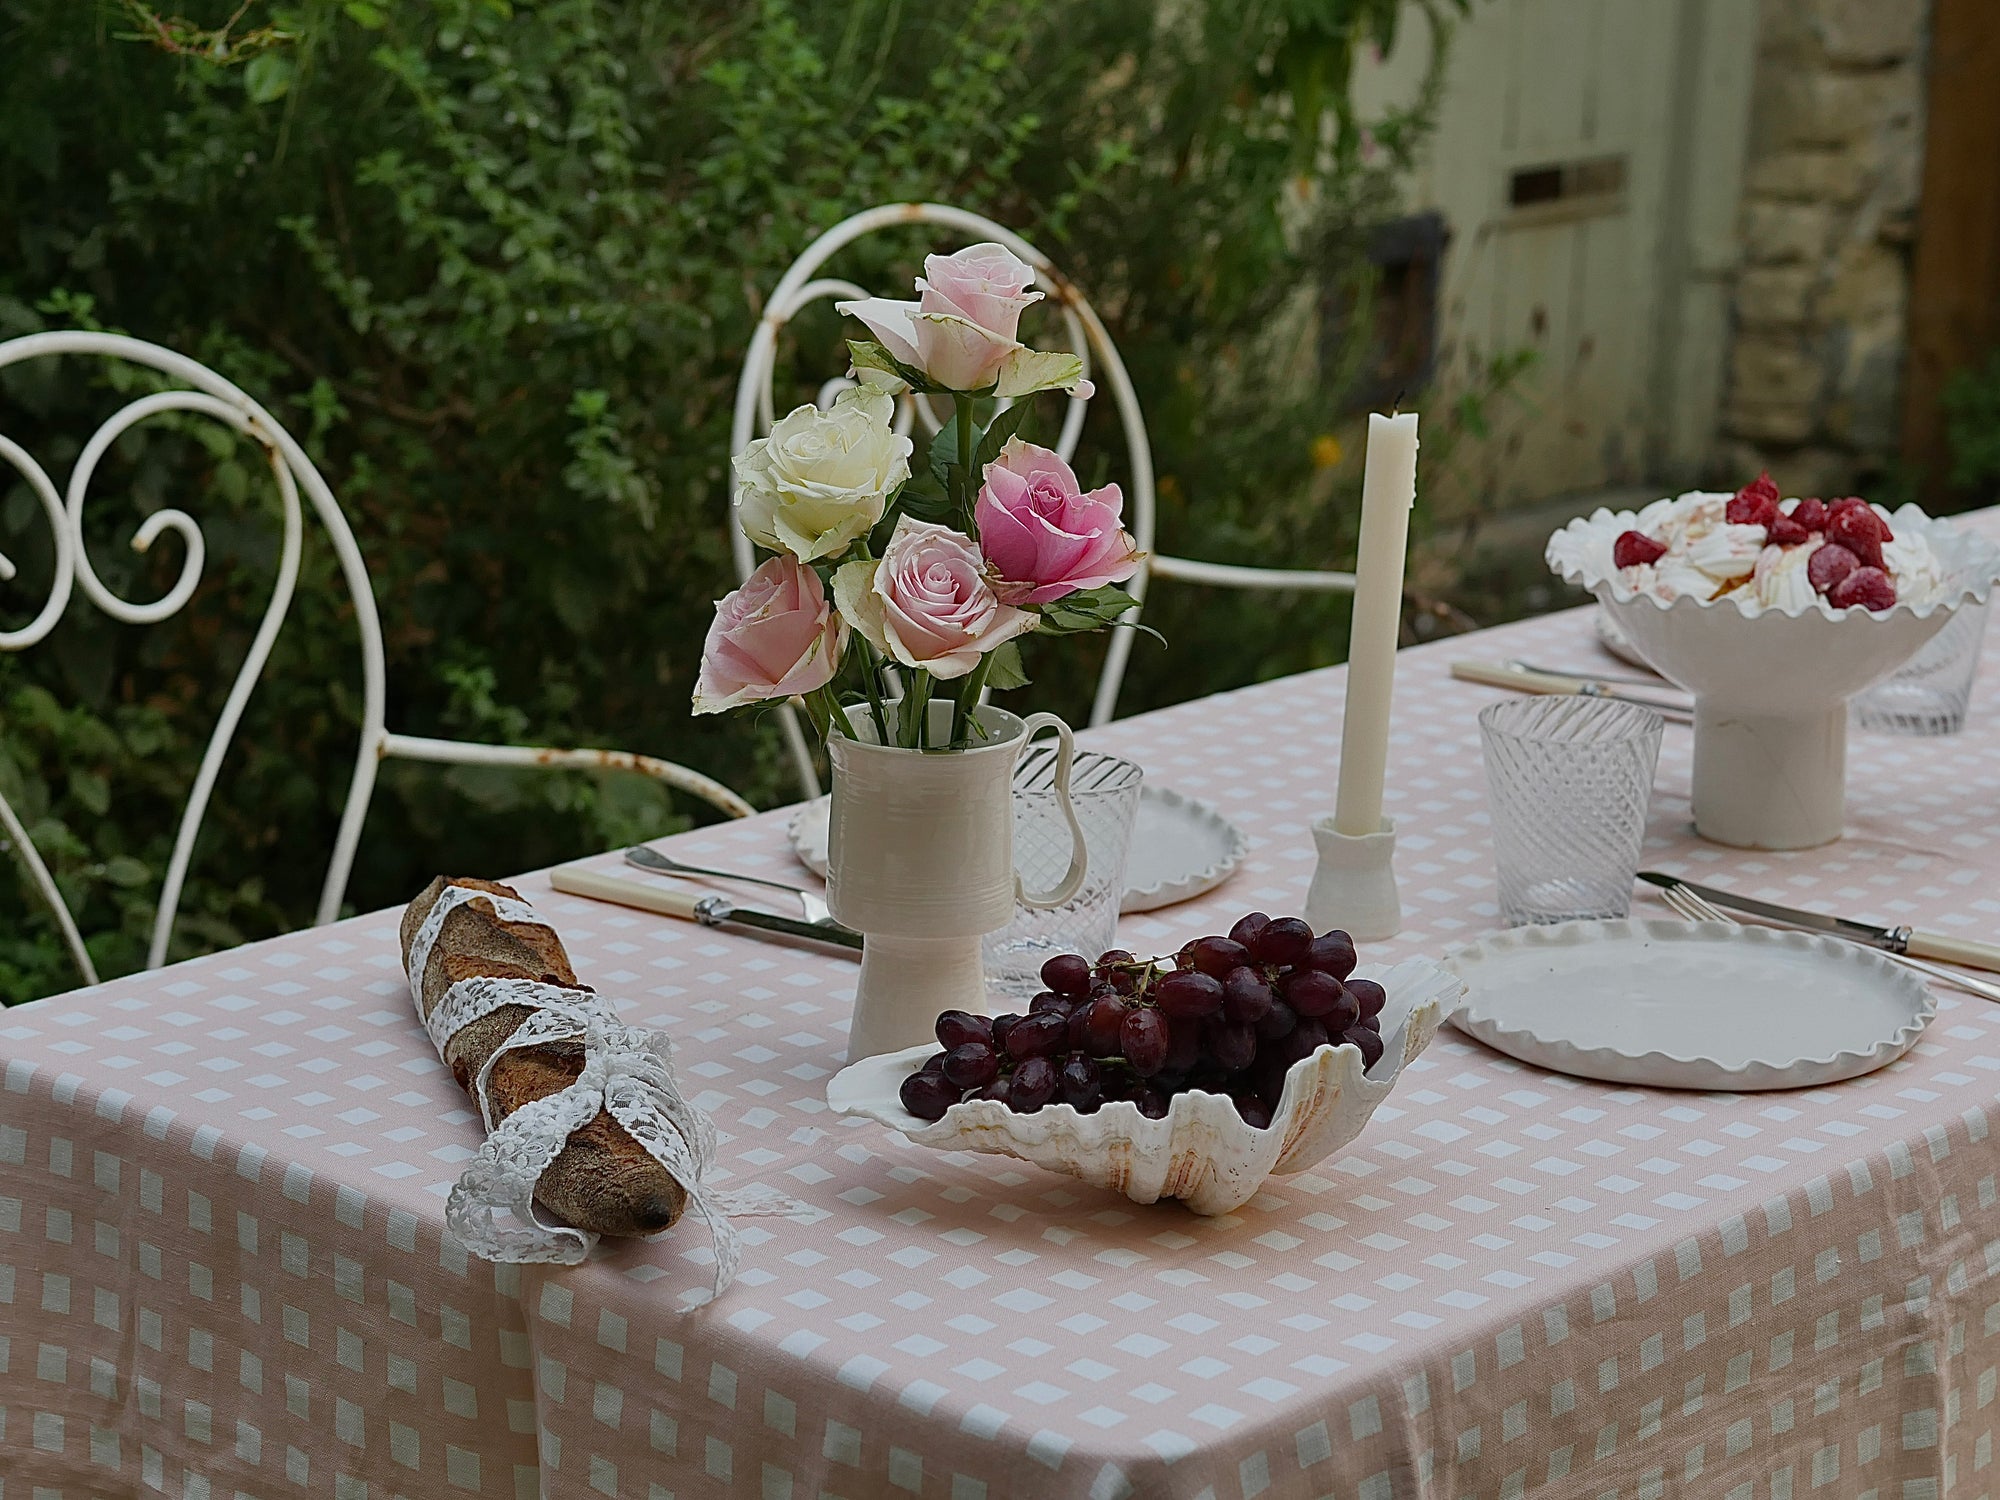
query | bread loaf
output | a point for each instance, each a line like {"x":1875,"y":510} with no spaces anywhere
{"x":602,"y":1181}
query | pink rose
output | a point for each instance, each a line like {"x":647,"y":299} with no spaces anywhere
{"x":1043,"y":535}
{"x":775,"y":637}
{"x":927,"y":603}
{"x":962,"y":332}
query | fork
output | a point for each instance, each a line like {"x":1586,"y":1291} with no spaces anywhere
{"x":811,"y":902}
{"x":1698,"y":909}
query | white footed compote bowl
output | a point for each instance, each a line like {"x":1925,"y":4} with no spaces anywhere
{"x":1203,"y":1152}
{"x":1771,"y":684}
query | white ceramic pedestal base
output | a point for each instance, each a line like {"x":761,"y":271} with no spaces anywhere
{"x":908,"y":981}
{"x":1354,"y":884}
{"x":1769,"y":782}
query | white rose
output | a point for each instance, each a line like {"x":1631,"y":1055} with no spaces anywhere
{"x":822,"y":478}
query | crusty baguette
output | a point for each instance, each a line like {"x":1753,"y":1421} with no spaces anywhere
{"x":602,"y":1180}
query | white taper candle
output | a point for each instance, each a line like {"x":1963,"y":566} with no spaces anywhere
{"x":1388,"y":489}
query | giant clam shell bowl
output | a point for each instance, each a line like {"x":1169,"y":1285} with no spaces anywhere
{"x":1202,"y":1152}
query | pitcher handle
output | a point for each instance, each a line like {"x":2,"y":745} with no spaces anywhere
{"x":1079,"y":859}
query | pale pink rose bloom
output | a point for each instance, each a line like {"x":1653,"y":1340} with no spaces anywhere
{"x":963,"y":330}
{"x":775,"y":637}
{"x":927,"y":603}
{"x":1043,"y":535}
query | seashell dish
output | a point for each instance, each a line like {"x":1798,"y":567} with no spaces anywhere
{"x":1202,"y":1152}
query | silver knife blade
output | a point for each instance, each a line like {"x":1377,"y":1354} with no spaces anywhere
{"x":715,"y":911}
{"x":1889,"y":939}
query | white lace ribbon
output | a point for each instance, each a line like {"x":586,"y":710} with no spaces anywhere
{"x":627,"y":1072}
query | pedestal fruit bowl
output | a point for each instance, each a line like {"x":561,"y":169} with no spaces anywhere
{"x":1202,"y":1151}
{"x":1771,"y":682}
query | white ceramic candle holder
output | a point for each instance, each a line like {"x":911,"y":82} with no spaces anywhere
{"x":1354,"y":884}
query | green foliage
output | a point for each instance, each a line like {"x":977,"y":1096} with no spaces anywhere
{"x":497,"y":265}
{"x":1972,"y":426}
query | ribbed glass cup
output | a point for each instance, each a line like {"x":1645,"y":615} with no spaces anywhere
{"x":1105,"y":792}
{"x":1929,"y":695}
{"x":1568,"y":781}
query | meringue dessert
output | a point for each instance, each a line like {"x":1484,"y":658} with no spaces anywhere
{"x":1771,"y":554}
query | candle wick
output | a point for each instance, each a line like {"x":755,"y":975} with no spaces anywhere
{"x":1396,"y":406}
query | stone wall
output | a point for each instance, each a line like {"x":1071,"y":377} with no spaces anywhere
{"x":1829,"y":200}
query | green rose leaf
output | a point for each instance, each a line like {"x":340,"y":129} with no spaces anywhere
{"x":866,"y":354}
{"x":1006,"y":425}
{"x":1087,"y":610}
{"x":1004,"y":667}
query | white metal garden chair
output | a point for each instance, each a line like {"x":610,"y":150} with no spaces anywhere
{"x":212,"y":396}
{"x":801,"y":286}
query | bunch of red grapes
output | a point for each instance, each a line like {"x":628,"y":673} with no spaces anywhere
{"x":1226,"y":1015}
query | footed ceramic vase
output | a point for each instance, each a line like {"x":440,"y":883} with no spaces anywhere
{"x":920,"y":862}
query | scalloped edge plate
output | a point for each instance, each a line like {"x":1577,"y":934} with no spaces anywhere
{"x":1181,"y":847}
{"x":1841,"y":1010}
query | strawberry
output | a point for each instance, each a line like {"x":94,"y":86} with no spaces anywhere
{"x":1635,"y":547}
{"x":1810,"y":514}
{"x":1756,"y":504}
{"x":1787,"y":532}
{"x":1869,"y":588}
{"x":1829,"y":565}
{"x":1857,"y":528}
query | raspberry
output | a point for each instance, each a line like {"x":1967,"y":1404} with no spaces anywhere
{"x":1829,"y":565}
{"x":1860,"y":531}
{"x":1635,"y":547}
{"x":1787,"y":532}
{"x":1756,"y":504}
{"x":1869,"y":588}
{"x":1811,"y":514}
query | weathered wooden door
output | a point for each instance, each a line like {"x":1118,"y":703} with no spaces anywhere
{"x":1587,"y":163}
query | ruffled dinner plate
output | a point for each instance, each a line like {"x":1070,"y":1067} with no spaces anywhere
{"x":1690,"y":1005}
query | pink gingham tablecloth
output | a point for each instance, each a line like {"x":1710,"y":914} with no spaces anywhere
{"x":222,"y":1271}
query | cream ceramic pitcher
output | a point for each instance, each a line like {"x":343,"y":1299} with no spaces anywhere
{"x":920,"y":861}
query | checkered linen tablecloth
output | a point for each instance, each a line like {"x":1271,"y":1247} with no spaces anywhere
{"x":222,"y":1271}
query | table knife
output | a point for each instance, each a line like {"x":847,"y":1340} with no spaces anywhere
{"x":710,"y":911}
{"x":1905,"y":940}
{"x":1525,"y":680}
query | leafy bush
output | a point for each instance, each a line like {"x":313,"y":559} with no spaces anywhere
{"x":1972,"y":426}
{"x":497,"y":267}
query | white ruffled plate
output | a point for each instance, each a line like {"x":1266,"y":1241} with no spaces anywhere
{"x":1202,"y":1152}
{"x":1691,"y":1005}
{"x":1181,"y":848}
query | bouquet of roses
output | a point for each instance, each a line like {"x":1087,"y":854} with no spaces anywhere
{"x":885,"y":589}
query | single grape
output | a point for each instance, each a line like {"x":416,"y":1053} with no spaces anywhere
{"x":1184,"y":959}
{"x":1183,"y":1046}
{"x":957,"y":1027}
{"x":1371,"y":1023}
{"x":1216,"y":956}
{"x":1002,"y":1024}
{"x":1232,"y":1046}
{"x":1267,"y":1078}
{"x":1103,"y":1024}
{"x":1037,"y":1035}
{"x":1144,"y":1040}
{"x":1369,"y":1042}
{"x":1079,"y":1023}
{"x":1253,"y":1109}
{"x":1369,"y":995}
{"x":1332,"y":953}
{"x":1067,"y":974}
{"x":1283,"y":940}
{"x":934,"y":1063}
{"x":1000,"y":1090}
{"x":1114,"y":968}
{"x":1307,"y":1038}
{"x":1278,"y":1021}
{"x":1311,"y":993}
{"x":1082,"y":1082}
{"x":1246,"y":998}
{"x":1188,"y":993}
{"x":1248,"y":926}
{"x":1152,"y":1103}
{"x":1034,"y":1085}
{"x":1049,"y":1000}
{"x":971,"y":1066}
{"x":928,"y":1095}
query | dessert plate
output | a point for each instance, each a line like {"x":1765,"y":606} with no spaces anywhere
{"x":1180,"y":847}
{"x":1612,"y":637}
{"x":1689,"y":1005}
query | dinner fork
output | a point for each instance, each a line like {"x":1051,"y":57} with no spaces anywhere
{"x":1699,"y":909}
{"x":811,"y":902}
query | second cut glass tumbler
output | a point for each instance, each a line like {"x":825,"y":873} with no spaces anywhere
{"x":1568,"y":781}
{"x":1105,"y":792}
